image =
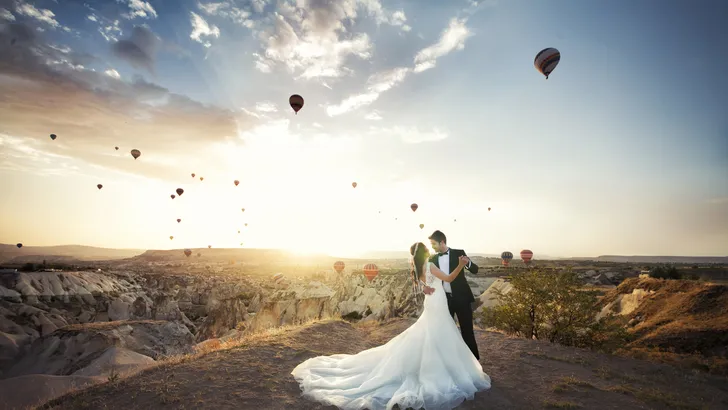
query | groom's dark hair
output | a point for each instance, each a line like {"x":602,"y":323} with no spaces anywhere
{"x":438,"y":236}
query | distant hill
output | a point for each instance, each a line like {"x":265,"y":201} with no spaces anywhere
{"x":36,"y":254}
{"x":655,"y":259}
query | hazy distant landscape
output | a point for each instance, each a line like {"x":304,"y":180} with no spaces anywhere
{"x":80,"y":321}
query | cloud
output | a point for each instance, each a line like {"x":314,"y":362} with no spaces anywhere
{"x":373,"y":116}
{"x":139,"y":8}
{"x":201,"y":28}
{"x":266,"y":106}
{"x":91,"y":112}
{"x":140,"y":49}
{"x":453,"y":38}
{"x":112,"y":73}
{"x":378,"y":83}
{"x":228,"y":10}
{"x":313,"y":38}
{"x":20,"y":7}
{"x":411,"y":135}
{"x":5,"y":14}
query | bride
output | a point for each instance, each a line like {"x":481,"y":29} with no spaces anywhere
{"x":428,"y":365}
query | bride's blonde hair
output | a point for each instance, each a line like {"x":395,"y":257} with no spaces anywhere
{"x":419,"y":256}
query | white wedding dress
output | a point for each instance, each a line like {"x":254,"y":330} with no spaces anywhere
{"x":428,"y":365}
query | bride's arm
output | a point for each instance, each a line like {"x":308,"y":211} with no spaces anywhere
{"x":447,"y":278}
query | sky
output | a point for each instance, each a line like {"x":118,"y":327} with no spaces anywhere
{"x":623,"y":150}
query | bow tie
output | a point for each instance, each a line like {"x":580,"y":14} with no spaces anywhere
{"x":442,"y":253}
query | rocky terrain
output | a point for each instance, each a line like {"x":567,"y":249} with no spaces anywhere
{"x":61,"y":330}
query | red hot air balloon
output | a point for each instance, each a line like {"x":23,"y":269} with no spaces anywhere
{"x":353,"y":184}
{"x":339,"y":266}
{"x":526,"y":256}
{"x":506,"y":258}
{"x":236,"y":182}
{"x":180,"y":191}
{"x":488,"y":209}
{"x":371,"y":271}
{"x":99,"y":186}
{"x":135,"y":153}
{"x":172,"y":196}
{"x":193,"y":175}
{"x":414,"y":207}
{"x":20,"y":245}
{"x":202,"y":179}
{"x":296,"y":102}
{"x":188,"y":252}
{"x":179,"y":220}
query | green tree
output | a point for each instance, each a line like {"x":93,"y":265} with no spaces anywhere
{"x":552,"y":306}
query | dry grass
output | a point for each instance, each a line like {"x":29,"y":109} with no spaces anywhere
{"x":652,"y":396}
{"x":554,"y":404}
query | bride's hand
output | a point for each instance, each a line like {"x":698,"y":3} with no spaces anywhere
{"x":462,"y":261}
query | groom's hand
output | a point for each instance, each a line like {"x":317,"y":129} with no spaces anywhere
{"x":428,"y":290}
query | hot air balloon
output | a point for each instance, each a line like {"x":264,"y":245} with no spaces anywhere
{"x":171,"y":237}
{"x":201,"y":178}
{"x":99,"y":186}
{"x":180,"y":191}
{"x":20,"y":245}
{"x":339,"y":266}
{"x":246,"y":224}
{"x":278,"y":277}
{"x":546,"y":60}
{"x":172,"y":196}
{"x":135,"y":153}
{"x":238,"y":231}
{"x":116,"y":148}
{"x":422,"y":226}
{"x":241,"y":244}
{"x":526,"y":256}
{"x":506,"y":258}
{"x":296,"y":102}
{"x":179,"y":220}
{"x":236,"y":182}
{"x":454,"y":220}
{"x":53,"y":137}
{"x":188,"y":252}
{"x":242,"y":209}
{"x":193,"y":175}
{"x":488,"y":209}
{"x":371,"y":271}
{"x":414,"y":207}
{"x":353,"y":184}
{"x":209,"y":246}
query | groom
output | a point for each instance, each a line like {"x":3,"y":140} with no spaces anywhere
{"x":459,"y":295}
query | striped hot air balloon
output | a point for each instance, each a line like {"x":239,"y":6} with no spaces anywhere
{"x":339,"y":266}
{"x":278,"y":278}
{"x":506,"y":258}
{"x":546,"y":61}
{"x":526,"y":256}
{"x":371,"y":271}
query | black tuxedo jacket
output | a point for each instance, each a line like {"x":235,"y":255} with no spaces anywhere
{"x":460,"y":288}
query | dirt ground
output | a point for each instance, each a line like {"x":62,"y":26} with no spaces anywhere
{"x":525,"y":374}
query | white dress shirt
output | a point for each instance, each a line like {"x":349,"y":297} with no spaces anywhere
{"x":444,"y":261}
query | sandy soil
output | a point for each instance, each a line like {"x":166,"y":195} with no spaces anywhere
{"x":526,"y":374}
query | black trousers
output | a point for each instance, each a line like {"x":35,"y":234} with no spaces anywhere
{"x":465,"y":319}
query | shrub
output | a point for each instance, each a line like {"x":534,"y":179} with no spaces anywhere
{"x":553,"y":307}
